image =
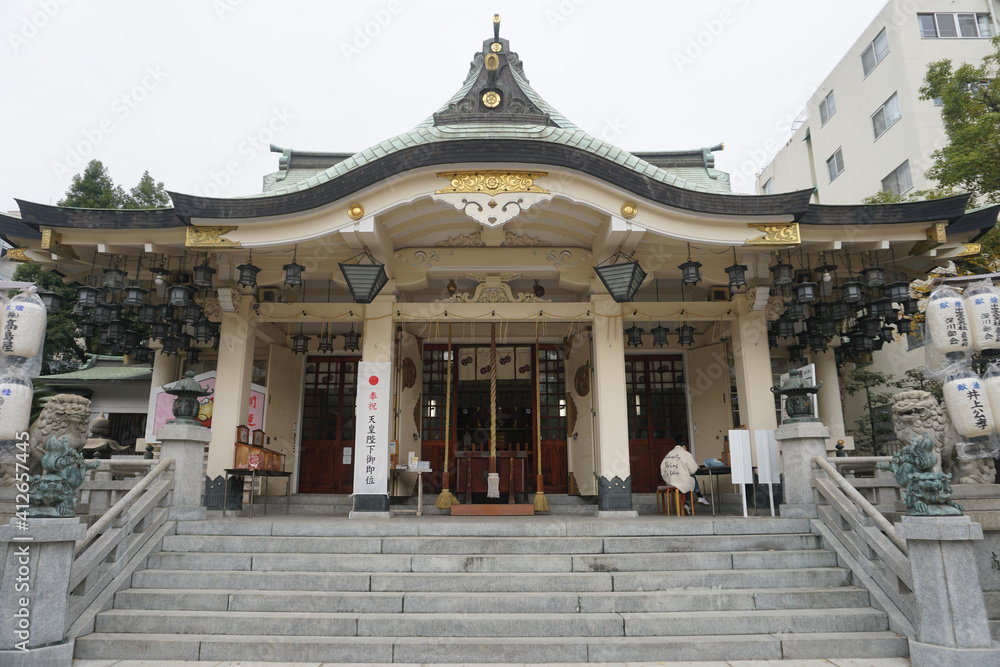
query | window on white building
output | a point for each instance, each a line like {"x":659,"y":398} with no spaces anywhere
{"x":768,"y":187}
{"x":835,"y":164}
{"x":886,"y":116}
{"x":954,"y":26}
{"x":898,"y":181}
{"x":827,"y":108}
{"x":875,"y":53}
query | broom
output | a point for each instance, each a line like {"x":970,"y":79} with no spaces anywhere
{"x":446,"y":498}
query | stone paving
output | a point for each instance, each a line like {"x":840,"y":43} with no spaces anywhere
{"x":880,"y":662}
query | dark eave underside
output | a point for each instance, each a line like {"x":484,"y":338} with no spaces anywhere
{"x":98,"y":218}
{"x":949,"y":208}
{"x":978,"y":222}
{"x":497,"y":150}
{"x":11,"y":227}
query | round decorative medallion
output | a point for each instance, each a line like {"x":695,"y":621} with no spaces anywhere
{"x":356,"y":211}
{"x":495,"y":47}
{"x":629,"y":210}
{"x":409,"y":373}
{"x":491,"y":99}
{"x":581,"y":381}
{"x":492,"y":61}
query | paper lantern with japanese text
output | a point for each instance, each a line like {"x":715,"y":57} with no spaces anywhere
{"x":982,"y":304}
{"x":947,"y":322}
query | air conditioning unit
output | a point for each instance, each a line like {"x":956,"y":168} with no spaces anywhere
{"x":718,"y":293}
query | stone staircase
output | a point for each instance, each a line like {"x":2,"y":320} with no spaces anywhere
{"x":545,"y":589}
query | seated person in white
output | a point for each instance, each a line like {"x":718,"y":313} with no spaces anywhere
{"x":676,"y":470}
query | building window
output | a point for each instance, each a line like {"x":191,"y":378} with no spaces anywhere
{"x":835,"y":164}
{"x":768,"y":187}
{"x":954,"y":26}
{"x":886,"y":116}
{"x":827,"y":108}
{"x":899,"y":180}
{"x":875,"y":53}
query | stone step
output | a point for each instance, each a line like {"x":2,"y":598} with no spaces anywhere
{"x":434,"y":649}
{"x":520,"y":602}
{"x":313,"y":562}
{"x":479,"y":545}
{"x":658,"y":624}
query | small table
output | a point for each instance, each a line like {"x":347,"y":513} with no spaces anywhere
{"x":420,"y":488}
{"x":712,"y":484}
{"x":254,"y":474}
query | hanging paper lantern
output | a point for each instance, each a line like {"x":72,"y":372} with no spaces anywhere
{"x":970,"y":411}
{"x":16,"y":394}
{"x":23,"y":325}
{"x":947,"y":322}
{"x":634,"y":334}
{"x":982,"y":303}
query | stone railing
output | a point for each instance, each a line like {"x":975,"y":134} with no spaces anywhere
{"x":115,"y":544}
{"x":106,"y":485}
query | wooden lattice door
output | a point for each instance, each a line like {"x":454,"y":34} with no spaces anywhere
{"x":328,"y":452}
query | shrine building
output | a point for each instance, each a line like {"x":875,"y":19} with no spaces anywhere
{"x":496,"y":287}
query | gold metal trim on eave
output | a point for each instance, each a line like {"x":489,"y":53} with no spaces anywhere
{"x":209,"y":237}
{"x":776,"y":234}
{"x":492,"y":182}
{"x":18,"y":255}
{"x":971,"y":250}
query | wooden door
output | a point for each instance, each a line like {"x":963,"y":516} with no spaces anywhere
{"x":657,"y":414}
{"x":326,"y":464}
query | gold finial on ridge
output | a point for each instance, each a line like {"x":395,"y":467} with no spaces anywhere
{"x":496,"y":26}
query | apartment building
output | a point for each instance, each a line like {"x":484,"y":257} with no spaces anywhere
{"x":866,"y":129}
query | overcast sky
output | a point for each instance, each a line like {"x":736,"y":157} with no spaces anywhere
{"x":194,"y":90}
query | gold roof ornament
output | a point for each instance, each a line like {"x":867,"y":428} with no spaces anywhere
{"x":209,"y":237}
{"x":355,"y":211}
{"x":492,"y":182}
{"x":776,"y":234}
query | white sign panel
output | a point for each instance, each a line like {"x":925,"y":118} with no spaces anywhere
{"x":767,"y":457}
{"x":739,"y":456}
{"x":371,"y":436}
{"x":809,"y":376}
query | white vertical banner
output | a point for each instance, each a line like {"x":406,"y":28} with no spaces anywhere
{"x":371,"y":435}
{"x":505,"y":363}
{"x":767,"y":462}
{"x":740,"y":462}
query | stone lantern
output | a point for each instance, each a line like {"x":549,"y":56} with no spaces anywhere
{"x":186,"y":393}
{"x":800,"y":397}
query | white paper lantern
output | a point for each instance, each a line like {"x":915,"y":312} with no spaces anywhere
{"x":15,"y":406}
{"x":982,"y":304}
{"x":992,"y":381}
{"x":947,"y":322}
{"x":969,"y":405}
{"x":23,"y":326}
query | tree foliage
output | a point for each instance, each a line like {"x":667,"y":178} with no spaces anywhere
{"x":63,"y":351}
{"x":94,"y":188}
{"x":873,"y":426}
{"x":970,"y":97}
{"x":147,"y":194}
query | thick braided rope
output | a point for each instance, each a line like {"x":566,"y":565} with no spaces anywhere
{"x":447,"y":408}
{"x":493,"y":396}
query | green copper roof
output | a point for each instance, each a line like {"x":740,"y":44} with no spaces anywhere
{"x":101,"y":369}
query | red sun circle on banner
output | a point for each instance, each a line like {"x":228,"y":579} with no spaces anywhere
{"x":373,"y":380}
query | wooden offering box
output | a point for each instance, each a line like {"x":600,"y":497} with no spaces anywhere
{"x":249,"y":457}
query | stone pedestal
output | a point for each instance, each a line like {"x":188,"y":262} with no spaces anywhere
{"x":799,"y":443}
{"x":34,"y":590}
{"x":370,"y":506}
{"x":953,"y":627}
{"x":185,"y":443}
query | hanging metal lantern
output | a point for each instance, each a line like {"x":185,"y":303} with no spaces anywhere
{"x":351,"y":341}
{"x":891,"y":317}
{"x":248,"y":273}
{"x":114,"y":278}
{"x":192,"y":355}
{"x":52,"y":301}
{"x":660,"y":335}
{"x":786,"y":328}
{"x":171,"y":346}
{"x":805,"y":292}
{"x":898,"y":291}
{"x":686,"y":334}
{"x":192,"y":313}
{"x":622,"y":277}
{"x":877,"y":344}
{"x":828,"y":326}
{"x":203,"y":331}
{"x":886,"y":333}
{"x":116,"y":329}
{"x":796,"y":311}
{"x":364,"y":281}
{"x":861,"y":342}
{"x":772,"y":337}
{"x":103,"y":313}
{"x":781,"y":273}
{"x":300,"y":343}
{"x":904,"y":327}
{"x":86,"y":297}
{"x":141,"y":355}
{"x":147,"y":314}
{"x":817,"y":343}
{"x":871,"y":326}
{"x":165,"y":312}
{"x":796,"y":354}
{"x":88,"y":329}
{"x":175,"y":327}
{"x":179,"y":295}
{"x":737,"y":274}
{"x":873,"y":276}
{"x":185,"y":340}
{"x":131,"y":339}
{"x":802,"y":338}
{"x":821,"y":309}
{"x":159,"y":331}
{"x":910,"y":307}
{"x":851,"y":293}
{"x":840,"y":354}
{"x":880,"y":307}
{"x":690,"y":272}
{"x":202,"y":275}
{"x":293,"y":273}
{"x":634,"y":335}
{"x":813,"y":325}
{"x":325,"y":341}
{"x":135,"y":296}
{"x":839,"y":310}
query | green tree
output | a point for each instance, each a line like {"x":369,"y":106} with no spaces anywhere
{"x":915,"y":379}
{"x":94,"y":188}
{"x":970,"y":97}
{"x":147,"y":194}
{"x":872,"y":427}
{"x":63,"y":350}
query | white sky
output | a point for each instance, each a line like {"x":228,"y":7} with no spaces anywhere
{"x":183,"y":88}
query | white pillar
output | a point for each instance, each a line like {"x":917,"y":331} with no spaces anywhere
{"x":753,"y":369}
{"x":165,"y":369}
{"x":232,"y":385}
{"x":614,"y":476}
{"x":831,"y":410}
